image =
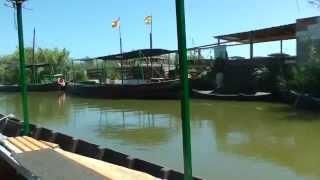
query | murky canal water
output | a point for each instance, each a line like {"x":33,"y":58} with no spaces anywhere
{"x":231,"y":140}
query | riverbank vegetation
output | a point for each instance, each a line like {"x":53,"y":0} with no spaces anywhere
{"x":47,"y":62}
{"x":305,"y":78}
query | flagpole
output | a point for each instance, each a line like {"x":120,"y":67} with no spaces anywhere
{"x":121,"y":61}
{"x":151,"y":32}
{"x":120,"y":36}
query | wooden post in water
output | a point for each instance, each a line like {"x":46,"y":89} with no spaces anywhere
{"x":185,"y":106}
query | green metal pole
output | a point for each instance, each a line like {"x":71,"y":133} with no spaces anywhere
{"x":23,"y":79}
{"x":185,"y":102}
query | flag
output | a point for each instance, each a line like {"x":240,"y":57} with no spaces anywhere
{"x":116,"y":23}
{"x":148,"y":20}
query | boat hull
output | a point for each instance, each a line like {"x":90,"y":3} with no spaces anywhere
{"x":13,"y":127}
{"x":232,"y":97}
{"x":162,"y":90}
{"x":32,"y":87}
{"x":307,"y":102}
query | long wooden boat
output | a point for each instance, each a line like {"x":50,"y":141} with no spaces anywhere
{"x":306,"y":102}
{"x":102,"y":160}
{"x":299,"y":101}
{"x":36,"y":159}
{"x":259,"y":96}
{"x":32,"y":87}
{"x":154,"y":90}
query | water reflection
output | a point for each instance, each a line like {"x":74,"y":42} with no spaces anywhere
{"x":291,"y":144}
{"x":133,"y":127}
{"x":276,"y":134}
{"x":41,"y":106}
{"x":231,"y":140}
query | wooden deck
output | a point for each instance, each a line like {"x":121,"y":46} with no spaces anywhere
{"x":18,"y":149}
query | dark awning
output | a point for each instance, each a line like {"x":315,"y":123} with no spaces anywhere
{"x":37,"y":65}
{"x":277,"y":33}
{"x":136,"y":54}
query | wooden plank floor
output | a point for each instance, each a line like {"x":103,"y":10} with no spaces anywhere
{"x":28,"y":145}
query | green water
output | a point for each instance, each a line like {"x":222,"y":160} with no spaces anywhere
{"x":231,"y":140}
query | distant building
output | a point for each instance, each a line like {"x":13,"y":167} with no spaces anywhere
{"x":306,"y":31}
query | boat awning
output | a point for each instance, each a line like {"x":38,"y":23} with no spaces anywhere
{"x":284,"y":32}
{"x":136,"y":54}
{"x":37,"y":65}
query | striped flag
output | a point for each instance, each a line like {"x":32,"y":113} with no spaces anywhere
{"x":148,"y":20}
{"x":116,"y":23}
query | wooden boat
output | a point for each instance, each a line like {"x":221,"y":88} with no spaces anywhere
{"x":306,"y":102}
{"x":14,"y":152}
{"x":299,"y":101}
{"x":259,"y":96}
{"x":154,"y":90}
{"x":36,"y":159}
{"x":33,"y":87}
{"x":153,"y":86}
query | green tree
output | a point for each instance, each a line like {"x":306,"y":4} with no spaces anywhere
{"x":57,"y":60}
{"x":306,"y":77}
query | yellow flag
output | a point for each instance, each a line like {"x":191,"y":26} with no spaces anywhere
{"x":148,"y":20}
{"x":116,"y":23}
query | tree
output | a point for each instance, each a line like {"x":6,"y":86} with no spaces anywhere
{"x":58,"y":60}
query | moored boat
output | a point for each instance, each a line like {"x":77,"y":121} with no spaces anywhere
{"x":259,"y":96}
{"x":105,"y":161}
{"x":139,"y":74}
{"x":33,"y":87}
{"x":306,"y":102}
{"x":154,"y":90}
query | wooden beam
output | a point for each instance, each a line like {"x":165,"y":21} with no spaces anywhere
{"x":18,"y":144}
{"x":51,"y":145}
{"x":11,"y":147}
{"x":36,"y":142}
{"x":110,"y":171}
{"x":28,"y":144}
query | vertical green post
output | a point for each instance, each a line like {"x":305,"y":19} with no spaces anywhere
{"x":23,"y":79}
{"x":185,"y":104}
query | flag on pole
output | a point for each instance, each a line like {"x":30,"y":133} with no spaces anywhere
{"x":148,"y":20}
{"x":116,"y":23}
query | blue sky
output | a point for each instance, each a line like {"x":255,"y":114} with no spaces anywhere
{"x":84,"y":27}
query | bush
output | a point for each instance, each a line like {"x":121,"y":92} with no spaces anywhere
{"x":80,"y":76}
{"x":306,"y":79}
